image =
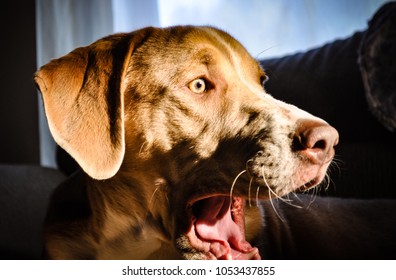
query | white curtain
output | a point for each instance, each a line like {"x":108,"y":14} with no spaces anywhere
{"x":130,"y":15}
{"x":271,"y":28}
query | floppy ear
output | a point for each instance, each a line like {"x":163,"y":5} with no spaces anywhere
{"x":83,"y":94}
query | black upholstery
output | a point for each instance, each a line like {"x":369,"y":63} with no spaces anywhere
{"x":24,"y":195}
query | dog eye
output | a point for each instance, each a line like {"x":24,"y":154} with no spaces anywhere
{"x":198,"y":85}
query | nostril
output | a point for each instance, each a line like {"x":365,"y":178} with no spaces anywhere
{"x":321,"y":144}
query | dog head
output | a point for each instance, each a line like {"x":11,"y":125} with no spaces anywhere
{"x":181,"y":114}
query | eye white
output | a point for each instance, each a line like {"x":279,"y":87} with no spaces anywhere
{"x":197,"y":86}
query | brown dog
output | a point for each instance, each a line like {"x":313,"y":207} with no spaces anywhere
{"x":177,"y":141}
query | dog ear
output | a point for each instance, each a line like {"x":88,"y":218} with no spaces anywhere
{"x":83,"y":95}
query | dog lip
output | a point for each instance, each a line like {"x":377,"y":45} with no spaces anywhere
{"x":309,"y":185}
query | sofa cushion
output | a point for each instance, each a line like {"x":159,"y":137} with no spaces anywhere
{"x":24,"y":196}
{"x":377,"y":59}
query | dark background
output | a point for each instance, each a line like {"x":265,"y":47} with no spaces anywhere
{"x":19,"y":136}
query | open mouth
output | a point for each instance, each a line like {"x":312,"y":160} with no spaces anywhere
{"x":217,"y":226}
{"x":218,"y":229}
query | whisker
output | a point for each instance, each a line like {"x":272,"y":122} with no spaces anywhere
{"x":336,"y":165}
{"x":271,"y":192}
{"x":141,"y":148}
{"x":328,"y":179}
{"x":294,"y":193}
{"x":287,"y":198}
{"x":249,"y":191}
{"x":146,"y":217}
{"x":333,"y":185}
{"x":265,"y":50}
{"x":286,"y":201}
{"x":273,"y":206}
{"x":234,"y":182}
{"x":257,"y":195}
{"x":296,"y":196}
{"x":313,"y":196}
{"x":153,"y":194}
{"x":275,"y":194}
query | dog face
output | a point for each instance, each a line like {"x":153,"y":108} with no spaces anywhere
{"x":179,"y":117}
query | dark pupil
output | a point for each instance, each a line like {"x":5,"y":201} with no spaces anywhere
{"x":199,"y":84}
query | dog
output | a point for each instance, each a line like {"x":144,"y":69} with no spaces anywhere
{"x":182,"y":152}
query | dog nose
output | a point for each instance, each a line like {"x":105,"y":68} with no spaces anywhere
{"x":315,"y":141}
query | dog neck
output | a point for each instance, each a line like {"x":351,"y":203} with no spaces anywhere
{"x":127,"y":213}
{"x":123,"y":240}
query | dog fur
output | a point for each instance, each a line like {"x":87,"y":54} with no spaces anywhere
{"x":174,"y":132}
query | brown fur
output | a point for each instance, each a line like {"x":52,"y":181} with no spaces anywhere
{"x":150,"y":147}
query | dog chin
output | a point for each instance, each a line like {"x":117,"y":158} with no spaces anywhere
{"x":310,"y":177}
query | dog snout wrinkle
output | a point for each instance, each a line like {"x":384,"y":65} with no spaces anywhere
{"x":315,"y":141}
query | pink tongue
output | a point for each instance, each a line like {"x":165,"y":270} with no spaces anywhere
{"x":216,"y":225}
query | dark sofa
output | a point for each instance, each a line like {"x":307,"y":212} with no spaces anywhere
{"x":350,"y":83}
